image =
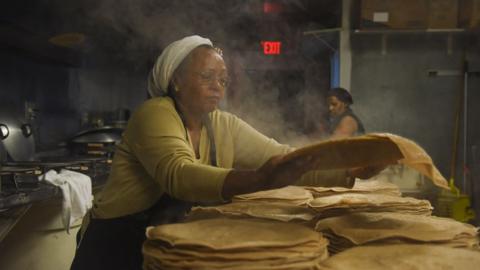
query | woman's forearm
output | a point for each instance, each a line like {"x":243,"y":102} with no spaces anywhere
{"x":241,"y":182}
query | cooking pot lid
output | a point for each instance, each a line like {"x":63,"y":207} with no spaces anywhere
{"x":107,"y":134}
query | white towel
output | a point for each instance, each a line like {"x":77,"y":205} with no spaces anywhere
{"x":77,"y":194}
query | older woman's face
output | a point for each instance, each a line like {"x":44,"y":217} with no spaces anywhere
{"x":335,"y":106}
{"x":202,"y":81}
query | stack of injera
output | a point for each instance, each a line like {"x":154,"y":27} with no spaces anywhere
{"x":403,"y":257}
{"x":272,"y":210}
{"x":287,"y":204}
{"x":233,"y":244}
{"x":386,"y":228}
{"x":360,"y":186}
{"x":242,"y":242}
{"x":292,"y":195}
{"x":335,"y":205}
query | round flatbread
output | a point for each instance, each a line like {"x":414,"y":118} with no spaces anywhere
{"x":224,"y":233}
{"x":404,"y":257}
{"x":368,"y":150}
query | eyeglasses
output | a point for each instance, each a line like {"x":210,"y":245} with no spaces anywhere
{"x":208,"y":77}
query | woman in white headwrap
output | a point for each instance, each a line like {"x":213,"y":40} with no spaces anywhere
{"x":178,"y":147}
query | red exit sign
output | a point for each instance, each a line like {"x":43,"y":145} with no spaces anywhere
{"x":271,"y":47}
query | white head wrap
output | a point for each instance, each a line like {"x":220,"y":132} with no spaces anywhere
{"x":169,"y":60}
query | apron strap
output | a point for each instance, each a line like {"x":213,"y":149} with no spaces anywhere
{"x":213,"y":150}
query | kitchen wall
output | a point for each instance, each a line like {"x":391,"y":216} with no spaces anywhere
{"x":393,"y":92}
{"x":64,"y":95}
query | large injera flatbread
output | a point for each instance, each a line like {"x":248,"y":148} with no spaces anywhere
{"x":290,"y":194}
{"x":404,"y":257}
{"x":334,"y":205}
{"x":267,"y":210}
{"x":225,"y":233}
{"x":233,"y":244}
{"x":364,"y":186}
{"x":386,"y":227}
{"x":370,"y":149}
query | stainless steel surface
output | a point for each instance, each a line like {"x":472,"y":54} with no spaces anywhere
{"x":19,"y":144}
{"x":10,"y":217}
{"x":3,"y":154}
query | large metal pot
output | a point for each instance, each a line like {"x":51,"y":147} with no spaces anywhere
{"x":96,"y":141}
{"x":106,"y":134}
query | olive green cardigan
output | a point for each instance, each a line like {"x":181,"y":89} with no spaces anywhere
{"x":156,"y":156}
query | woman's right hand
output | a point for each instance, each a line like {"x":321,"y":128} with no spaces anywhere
{"x":274,"y":173}
{"x":277,"y":173}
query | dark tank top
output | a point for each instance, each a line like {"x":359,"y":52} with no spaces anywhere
{"x":336,"y":120}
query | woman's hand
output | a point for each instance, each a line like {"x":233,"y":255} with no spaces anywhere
{"x":275,"y":173}
{"x":278,"y":173}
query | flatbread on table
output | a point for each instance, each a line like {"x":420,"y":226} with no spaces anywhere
{"x":335,"y":205}
{"x":369,"y":149}
{"x":390,"y":227}
{"x":290,"y":194}
{"x":364,"y":186}
{"x":304,"y":251}
{"x":224,"y":243}
{"x":258,"y":209}
{"x":224,"y":233}
{"x":403,"y":257}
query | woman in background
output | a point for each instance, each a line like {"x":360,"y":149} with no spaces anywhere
{"x":342,"y":121}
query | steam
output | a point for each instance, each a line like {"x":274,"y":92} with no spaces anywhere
{"x":150,"y":25}
{"x":260,"y":100}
